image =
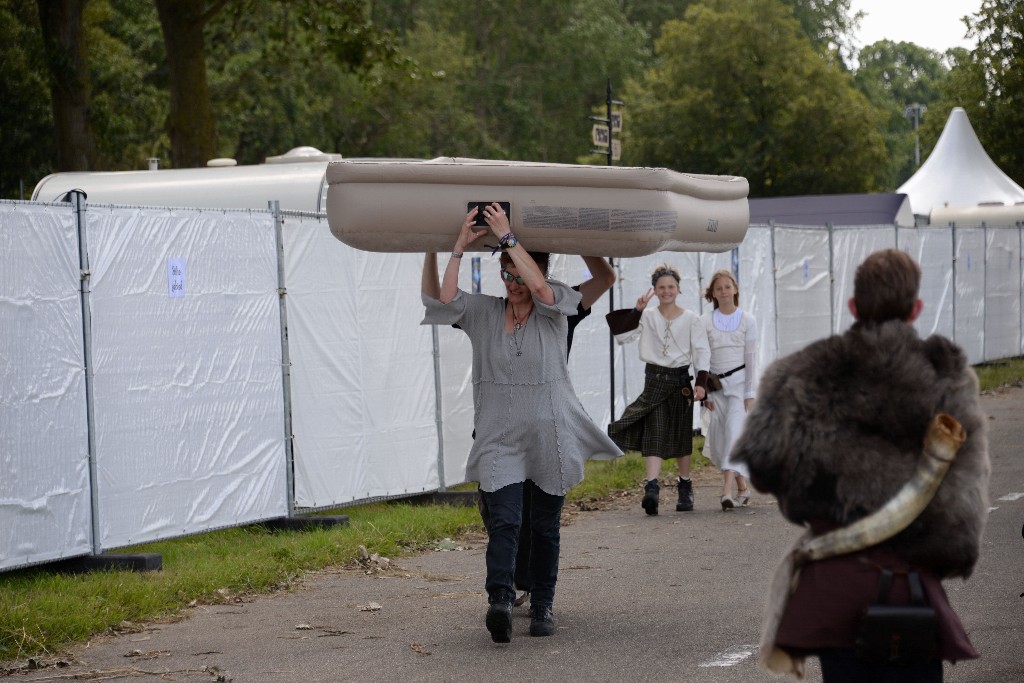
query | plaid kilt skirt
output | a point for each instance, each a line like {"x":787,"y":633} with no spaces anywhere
{"x":660,"y":421}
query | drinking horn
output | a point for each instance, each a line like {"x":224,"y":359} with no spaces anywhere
{"x":943,"y":439}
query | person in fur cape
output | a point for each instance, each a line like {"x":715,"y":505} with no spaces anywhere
{"x":836,"y":432}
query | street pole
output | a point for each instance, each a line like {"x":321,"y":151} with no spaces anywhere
{"x":914,"y":112}
{"x":608,"y":101}
{"x":611,"y":262}
{"x":608,"y":121}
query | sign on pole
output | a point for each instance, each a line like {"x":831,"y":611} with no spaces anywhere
{"x":600,"y":135}
{"x":616,"y":150}
{"x":616,"y":121}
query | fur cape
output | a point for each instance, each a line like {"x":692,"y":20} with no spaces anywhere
{"x":838,"y":429}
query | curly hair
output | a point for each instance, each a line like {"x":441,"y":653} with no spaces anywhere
{"x":663,"y":270}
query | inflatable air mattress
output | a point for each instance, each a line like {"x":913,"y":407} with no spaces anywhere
{"x":408,"y":206}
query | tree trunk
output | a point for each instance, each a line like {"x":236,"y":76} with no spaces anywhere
{"x":190,"y":124}
{"x":70,"y":88}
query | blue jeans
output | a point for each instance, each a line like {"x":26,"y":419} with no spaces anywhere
{"x":505,"y":513}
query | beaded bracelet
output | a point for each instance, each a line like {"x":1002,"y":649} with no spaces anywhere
{"x":504,"y":244}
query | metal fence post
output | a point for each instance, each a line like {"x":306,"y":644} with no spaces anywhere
{"x":832,"y":322}
{"x":775,"y":284}
{"x":438,"y":408}
{"x":984,"y":294}
{"x":286,"y":363}
{"x":954,"y":259}
{"x":78,"y":202}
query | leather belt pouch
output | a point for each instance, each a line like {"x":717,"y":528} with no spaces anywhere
{"x":898,"y":635}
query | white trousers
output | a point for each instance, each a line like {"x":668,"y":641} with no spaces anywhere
{"x":724,"y":424}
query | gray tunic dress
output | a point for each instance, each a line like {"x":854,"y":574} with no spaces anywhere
{"x":529,"y":422}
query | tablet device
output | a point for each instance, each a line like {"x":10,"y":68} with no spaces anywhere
{"x":479,"y":221}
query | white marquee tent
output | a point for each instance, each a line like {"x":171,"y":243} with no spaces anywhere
{"x":959,"y":173}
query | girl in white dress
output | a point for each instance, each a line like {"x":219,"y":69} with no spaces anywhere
{"x":732,"y":335}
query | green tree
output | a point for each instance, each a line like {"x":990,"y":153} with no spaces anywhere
{"x":285,"y":74}
{"x":425,"y":110}
{"x":988,"y":82}
{"x":190,"y":122}
{"x":763,"y":104}
{"x":539,"y":69}
{"x":70,"y":86}
{"x":651,"y":15}
{"x":893,"y":76}
{"x":26,"y":119}
{"x":829,"y":24}
{"x":127,"y":108}
{"x":129,"y":74}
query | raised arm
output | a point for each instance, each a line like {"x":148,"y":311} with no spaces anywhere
{"x":528,"y":269}
{"x":429,"y":284}
{"x":602,"y":277}
{"x":450,"y":284}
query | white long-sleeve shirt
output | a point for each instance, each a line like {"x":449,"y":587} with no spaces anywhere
{"x":733,"y":340}
{"x":671,"y":343}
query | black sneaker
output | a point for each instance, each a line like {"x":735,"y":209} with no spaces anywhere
{"x":542,"y":623}
{"x":650,"y":501}
{"x":685,"y":503}
{"x":499,"y":621}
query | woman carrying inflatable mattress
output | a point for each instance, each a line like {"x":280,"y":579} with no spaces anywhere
{"x":531,"y":429}
{"x":601,"y":279}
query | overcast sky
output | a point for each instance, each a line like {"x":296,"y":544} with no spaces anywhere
{"x":934,"y":24}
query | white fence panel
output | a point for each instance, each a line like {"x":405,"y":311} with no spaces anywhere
{"x":757,"y":291}
{"x":850,"y":246}
{"x":186,"y":350}
{"x":969,"y":302}
{"x":932,"y":248}
{"x":44,"y":453}
{"x":189,"y":405}
{"x":802,"y":288}
{"x":362,"y":378}
{"x":1002,"y":295}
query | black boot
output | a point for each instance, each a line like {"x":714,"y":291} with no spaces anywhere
{"x":499,"y":621}
{"x":542,"y":623}
{"x":685,"y":487}
{"x":650,"y":501}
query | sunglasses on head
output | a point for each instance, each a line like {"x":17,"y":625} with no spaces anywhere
{"x":509,"y":277}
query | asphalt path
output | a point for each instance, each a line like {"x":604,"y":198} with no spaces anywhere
{"x":676,"y":597}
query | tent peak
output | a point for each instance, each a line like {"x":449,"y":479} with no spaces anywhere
{"x":959,"y":172}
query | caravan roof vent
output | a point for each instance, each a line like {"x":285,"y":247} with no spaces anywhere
{"x":302,"y":154}
{"x":221,"y":162}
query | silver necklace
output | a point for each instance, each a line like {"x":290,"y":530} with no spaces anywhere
{"x":518,"y":325}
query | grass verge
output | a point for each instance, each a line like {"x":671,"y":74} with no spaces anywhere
{"x":43,"y":613}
